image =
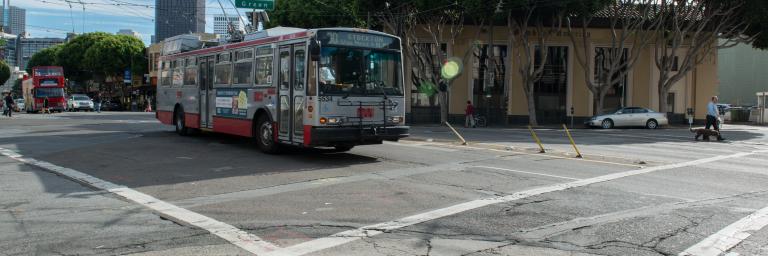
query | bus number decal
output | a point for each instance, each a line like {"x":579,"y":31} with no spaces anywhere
{"x":365,"y":112}
{"x":325,"y":98}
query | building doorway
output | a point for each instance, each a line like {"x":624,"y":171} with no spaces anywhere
{"x":489,"y":83}
{"x":551,"y":91}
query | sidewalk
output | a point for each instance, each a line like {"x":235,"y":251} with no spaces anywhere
{"x":628,"y":146}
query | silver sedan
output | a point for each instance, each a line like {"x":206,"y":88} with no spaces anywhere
{"x":630,"y":116}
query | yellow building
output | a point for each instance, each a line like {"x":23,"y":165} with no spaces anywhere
{"x":493,"y":83}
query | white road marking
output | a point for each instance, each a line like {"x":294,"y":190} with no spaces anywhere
{"x":376,"y":229}
{"x":421,"y":146}
{"x":730,"y":236}
{"x":533,"y":173}
{"x":233,"y":235}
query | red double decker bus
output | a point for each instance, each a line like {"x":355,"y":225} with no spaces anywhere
{"x":44,"y":82}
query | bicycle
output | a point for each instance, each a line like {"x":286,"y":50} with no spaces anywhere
{"x":480,"y":121}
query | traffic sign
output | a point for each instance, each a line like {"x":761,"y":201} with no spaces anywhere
{"x":268,"y":5}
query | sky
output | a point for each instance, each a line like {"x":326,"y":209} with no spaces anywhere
{"x":55,"y":18}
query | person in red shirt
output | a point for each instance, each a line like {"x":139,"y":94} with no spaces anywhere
{"x":469,"y":114}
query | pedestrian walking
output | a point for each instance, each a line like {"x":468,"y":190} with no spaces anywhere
{"x":45,"y":106}
{"x":97,"y":102}
{"x":713,"y":117}
{"x":469,"y":115}
{"x":9,"y":104}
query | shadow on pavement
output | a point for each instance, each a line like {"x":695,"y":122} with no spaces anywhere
{"x":163,"y":157}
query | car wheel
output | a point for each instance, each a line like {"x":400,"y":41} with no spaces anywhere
{"x":264,"y":134}
{"x":607,"y":124}
{"x":652,"y":124}
{"x":181,"y":128}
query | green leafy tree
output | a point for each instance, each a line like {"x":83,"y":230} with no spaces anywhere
{"x":319,"y":13}
{"x":110,"y":56}
{"x":72,"y":56}
{"x":5,"y":72}
{"x":45,"y":57}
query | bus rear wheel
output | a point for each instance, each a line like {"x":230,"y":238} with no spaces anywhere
{"x":264,"y":134}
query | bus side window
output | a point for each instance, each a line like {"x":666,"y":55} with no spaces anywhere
{"x":243,"y":67}
{"x":190,"y":72}
{"x":263,"y":66}
{"x":223,"y":70}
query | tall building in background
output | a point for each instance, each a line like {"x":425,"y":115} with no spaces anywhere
{"x":220,"y":24}
{"x":19,"y":50}
{"x":16,"y":20}
{"x":128,"y":32}
{"x":176,"y":17}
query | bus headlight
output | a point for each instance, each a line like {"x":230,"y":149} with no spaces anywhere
{"x":395,"y":119}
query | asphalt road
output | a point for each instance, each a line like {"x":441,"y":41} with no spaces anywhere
{"x":123,"y":184}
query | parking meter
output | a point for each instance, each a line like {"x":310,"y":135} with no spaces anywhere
{"x":571,"y":117}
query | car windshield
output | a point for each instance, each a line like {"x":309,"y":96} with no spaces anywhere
{"x":49,"y":92}
{"x":81,"y":98}
{"x":352,"y":71}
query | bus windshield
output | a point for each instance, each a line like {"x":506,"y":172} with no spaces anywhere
{"x":359,"y":72}
{"x":49,"y":92}
{"x":48,"y":72}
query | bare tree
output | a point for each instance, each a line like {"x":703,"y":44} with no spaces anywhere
{"x":630,"y":24}
{"x":437,"y":26}
{"x":697,"y":29}
{"x":530,"y":30}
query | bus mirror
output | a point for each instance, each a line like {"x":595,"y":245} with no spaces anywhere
{"x":314,"y":50}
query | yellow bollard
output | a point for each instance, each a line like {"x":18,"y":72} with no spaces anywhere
{"x":463,"y":141}
{"x":536,"y":138}
{"x":578,"y":154}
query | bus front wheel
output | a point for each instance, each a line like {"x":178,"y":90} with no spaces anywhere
{"x":264,"y":135}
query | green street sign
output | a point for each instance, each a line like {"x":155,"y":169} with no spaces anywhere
{"x":268,"y":5}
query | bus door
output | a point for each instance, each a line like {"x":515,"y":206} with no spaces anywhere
{"x":207,"y":96}
{"x":292,"y":70}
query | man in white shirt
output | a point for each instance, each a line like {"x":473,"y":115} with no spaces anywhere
{"x":712,"y":116}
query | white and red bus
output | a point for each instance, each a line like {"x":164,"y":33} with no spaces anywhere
{"x":335,"y":87}
{"x":45,"y":82}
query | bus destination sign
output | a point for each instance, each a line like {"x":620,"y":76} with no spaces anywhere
{"x":343,"y":38}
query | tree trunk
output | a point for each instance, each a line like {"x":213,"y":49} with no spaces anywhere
{"x":596,"y":109}
{"x":600,"y":102}
{"x":663,"y":101}
{"x":529,"y":94}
